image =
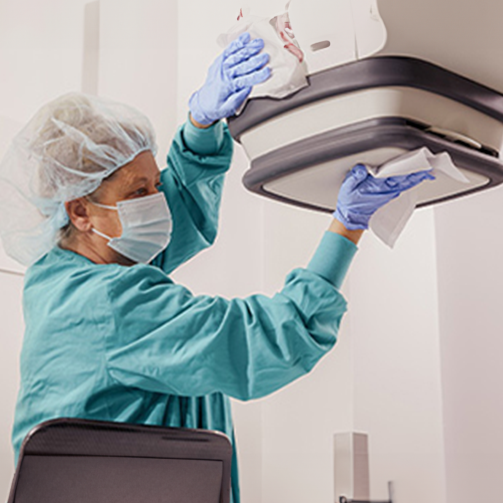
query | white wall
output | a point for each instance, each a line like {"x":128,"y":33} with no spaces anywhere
{"x":470,"y":249}
{"x":138,"y":59}
{"x":41,"y":48}
{"x":41,"y":52}
{"x":8,"y":129}
{"x":396,"y":354}
{"x":11,"y":334}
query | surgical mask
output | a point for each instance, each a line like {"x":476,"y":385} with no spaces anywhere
{"x":146,"y":227}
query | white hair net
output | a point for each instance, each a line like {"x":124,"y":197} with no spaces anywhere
{"x":63,"y":153}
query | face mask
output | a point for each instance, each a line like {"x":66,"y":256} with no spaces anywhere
{"x":146,"y":227}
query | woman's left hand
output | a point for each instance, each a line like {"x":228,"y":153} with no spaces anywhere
{"x":361,"y":194}
{"x":230,"y":80}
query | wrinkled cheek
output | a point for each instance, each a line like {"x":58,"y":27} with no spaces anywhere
{"x":109,"y":225}
{"x":115,"y":224}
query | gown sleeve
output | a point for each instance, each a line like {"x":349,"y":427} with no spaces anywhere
{"x":166,"y":340}
{"x":192,"y":182}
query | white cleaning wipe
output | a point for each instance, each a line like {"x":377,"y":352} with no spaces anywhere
{"x":388,"y":222}
{"x":287,"y":60}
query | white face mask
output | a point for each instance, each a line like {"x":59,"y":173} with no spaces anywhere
{"x":146,"y":227}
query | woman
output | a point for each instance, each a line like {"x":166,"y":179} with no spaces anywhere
{"x":109,"y":336}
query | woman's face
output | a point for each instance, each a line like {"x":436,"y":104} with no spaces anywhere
{"x":139,"y":178}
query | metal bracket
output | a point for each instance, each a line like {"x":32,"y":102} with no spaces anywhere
{"x":391,"y":499}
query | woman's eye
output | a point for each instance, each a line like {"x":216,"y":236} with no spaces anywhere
{"x":140,"y":192}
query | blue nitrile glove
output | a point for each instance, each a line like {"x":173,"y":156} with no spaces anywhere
{"x":361,"y":194}
{"x":230,"y":80}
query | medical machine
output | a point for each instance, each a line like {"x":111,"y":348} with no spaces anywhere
{"x":385,"y":77}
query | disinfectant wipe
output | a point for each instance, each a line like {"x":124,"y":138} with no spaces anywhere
{"x":389,"y":221}
{"x":287,"y":60}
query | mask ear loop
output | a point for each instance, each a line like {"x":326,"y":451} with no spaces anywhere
{"x":102,"y":205}
{"x":96,"y":231}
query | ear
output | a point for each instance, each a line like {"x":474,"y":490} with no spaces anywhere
{"x":78,"y":213}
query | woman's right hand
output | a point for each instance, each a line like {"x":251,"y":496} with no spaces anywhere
{"x":361,"y":195}
{"x":230,"y":80}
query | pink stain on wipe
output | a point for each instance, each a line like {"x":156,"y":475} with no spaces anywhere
{"x":283,"y":27}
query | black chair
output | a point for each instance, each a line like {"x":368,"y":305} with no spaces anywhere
{"x":81,"y":461}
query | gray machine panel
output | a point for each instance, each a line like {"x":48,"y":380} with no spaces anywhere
{"x":366,"y":136}
{"x":371,"y":73}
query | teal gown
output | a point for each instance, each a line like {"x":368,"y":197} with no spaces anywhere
{"x":127,"y":344}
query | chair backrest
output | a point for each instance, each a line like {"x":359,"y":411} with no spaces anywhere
{"x":81,"y":461}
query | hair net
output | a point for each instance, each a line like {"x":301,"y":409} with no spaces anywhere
{"x":63,"y":153}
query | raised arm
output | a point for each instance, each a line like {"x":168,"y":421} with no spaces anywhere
{"x":201,"y":152}
{"x":166,"y":340}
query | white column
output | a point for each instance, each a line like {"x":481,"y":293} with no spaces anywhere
{"x":138,"y":60}
{"x":470,"y":266}
{"x":396,"y":354}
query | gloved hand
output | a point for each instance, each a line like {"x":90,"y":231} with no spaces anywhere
{"x":230,"y":80}
{"x":361,"y":194}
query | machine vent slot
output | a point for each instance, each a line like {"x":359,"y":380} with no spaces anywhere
{"x":454,"y":137}
{"x":320,"y":45}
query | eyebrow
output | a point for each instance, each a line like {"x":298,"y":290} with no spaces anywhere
{"x":143,"y":179}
